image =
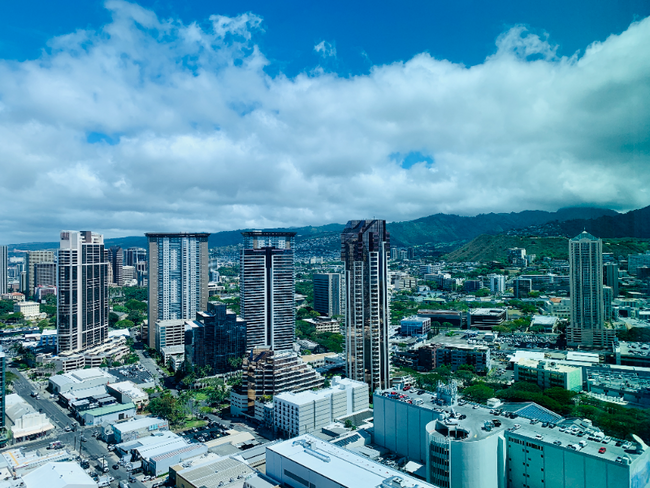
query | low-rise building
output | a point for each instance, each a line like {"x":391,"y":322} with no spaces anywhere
{"x":632,"y":353}
{"x":128,"y":392}
{"x":212,"y":472}
{"x":21,"y":462}
{"x":59,"y":475}
{"x":559,"y":307}
{"x":111,"y":350}
{"x":108,"y":414}
{"x":78,"y":380}
{"x":548,"y":374}
{"x":415,"y":325}
{"x":457,"y":355}
{"x":297,"y":413}
{"x":26,"y":422}
{"x":547,"y":321}
{"x":169,"y":333}
{"x":325,"y":324}
{"x":486,"y":318}
{"x":137,"y":428}
{"x":307,"y":461}
{"x":30,"y":310}
{"x":441,"y":316}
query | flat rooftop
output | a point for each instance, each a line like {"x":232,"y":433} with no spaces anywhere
{"x":547,"y":365}
{"x":340,"y":465}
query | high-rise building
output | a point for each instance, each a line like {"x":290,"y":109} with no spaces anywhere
{"x":587,"y":327}
{"x":497,"y":283}
{"x":610,"y":275}
{"x":33,"y":258}
{"x":218,"y":338}
{"x":178,"y":278}
{"x":329,"y":294}
{"x":267,"y":288}
{"x":4,"y":262}
{"x":44,"y":275}
{"x":82,"y":283}
{"x":115,"y":260}
{"x":3,"y":367}
{"x":134,"y":255}
{"x":365,"y":246}
{"x":608,"y":297}
{"x":635,"y":261}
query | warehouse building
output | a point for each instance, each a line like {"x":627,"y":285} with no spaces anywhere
{"x":79,"y":379}
{"x":307,"y":461}
{"x":135,"y":429}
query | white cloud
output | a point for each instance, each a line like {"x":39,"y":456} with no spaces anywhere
{"x":325,"y":49}
{"x":198,"y":137}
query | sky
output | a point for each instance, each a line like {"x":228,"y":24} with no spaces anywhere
{"x":124,"y":118}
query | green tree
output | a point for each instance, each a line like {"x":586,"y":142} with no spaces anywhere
{"x":132,"y":305}
{"x":479,"y":393}
{"x":167,"y":407}
{"x":124,"y":324}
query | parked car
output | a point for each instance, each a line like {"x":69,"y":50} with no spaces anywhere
{"x":602,"y":450}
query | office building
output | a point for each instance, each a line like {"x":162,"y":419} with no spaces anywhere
{"x":522,"y":287}
{"x":129,"y":274}
{"x":30,"y":310}
{"x":268,"y":372}
{"x":307,"y":461}
{"x":635,"y":261}
{"x":610,"y":277}
{"x":517,"y":256}
{"x":471,"y":286}
{"x":325,"y":324}
{"x":297,"y":413}
{"x":178,"y":278}
{"x":134,"y":255}
{"x":548,"y":374}
{"x":415,"y":325}
{"x":364,"y":250}
{"x":169,"y":333}
{"x":587,"y":326}
{"x":608,"y":298}
{"x":4,"y":264}
{"x":486,"y":318}
{"x":497,"y":283}
{"x":44,"y":275}
{"x":33,"y":258}
{"x":329,"y":294}
{"x":218,"y":338}
{"x":459,"y":354}
{"x":115,"y":260}
{"x":267,"y":287}
{"x":82,"y":283}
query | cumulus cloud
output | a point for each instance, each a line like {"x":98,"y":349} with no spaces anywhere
{"x":152,"y":124}
{"x":325,"y":49}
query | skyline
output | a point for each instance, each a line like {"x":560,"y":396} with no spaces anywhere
{"x":149,"y":117}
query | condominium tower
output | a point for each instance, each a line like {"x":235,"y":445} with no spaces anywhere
{"x":587,"y":326}
{"x":329,"y":293}
{"x":267,"y":287}
{"x":4,"y":262}
{"x":82,"y":284}
{"x":365,"y":247}
{"x":115,"y":260}
{"x":33,"y":258}
{"x":178,"y":278}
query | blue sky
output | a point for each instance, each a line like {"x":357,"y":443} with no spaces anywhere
{"x":365,"y":33}
{"x":125,"y":117}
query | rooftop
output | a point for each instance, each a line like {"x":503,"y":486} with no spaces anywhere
{"x":96,"y":412}
{"x":549,"y":365}
{"x":339,"y":465}
{"x":136,"y":424}
{"x":222,"y":472}
{"x":308,"y":396}
{"x":58,"y":475}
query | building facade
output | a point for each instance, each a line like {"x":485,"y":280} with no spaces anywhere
{"x":548,"y":374}
{"x":587,"y":326}
{"x":4,"y":263}
{"x":218,"y":338}
{"x":169,"y":333}
{"x":115,"y":260}
{"x":610,"y":277}
{"x":415,"y":325}
{"x":267,"y":287}
{"x":177,"y":278}
{"x":33,"y":258}
{"x":44,"y":275}
{"x":309,"y":411}
{"x":365,"y":245}
{"x":329,"y":294}
{"x":134,"y":255}
{"x":82,"y":284}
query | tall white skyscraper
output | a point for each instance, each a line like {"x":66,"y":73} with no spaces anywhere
{"x":4,"y":262}
{"x":267,"y":289}
{"x":587,"y":327}
{"x":365,"y":248}
{"x":82,"y":284}
{"x":497,"y":283}
{"x":178,"y":278}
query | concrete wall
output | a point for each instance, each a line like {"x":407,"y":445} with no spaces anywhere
{"x":401,"y":427}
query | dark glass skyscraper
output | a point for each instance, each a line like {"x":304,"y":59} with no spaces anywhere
{"x":115,"y":260}
{"x":365,"y":249}
{"x":267,"y":287}
{"x":329,"y":293}
{"x":82,"y":285}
